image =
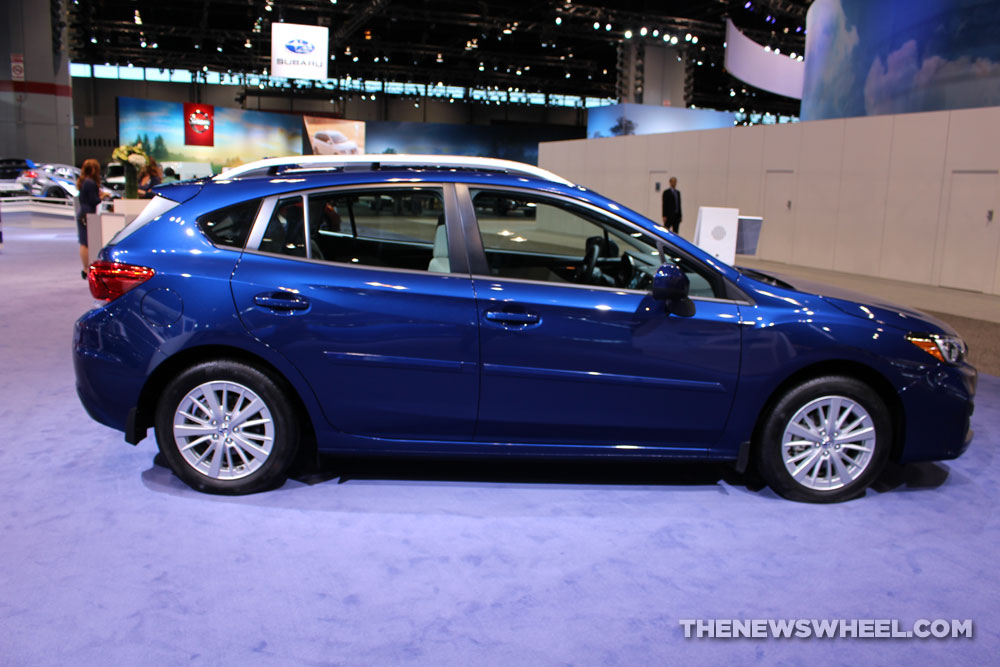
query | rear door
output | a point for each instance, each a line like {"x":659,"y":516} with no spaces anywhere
{"x":367,"y":292}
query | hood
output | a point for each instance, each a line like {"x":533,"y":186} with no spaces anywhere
{"x":867,"y":307}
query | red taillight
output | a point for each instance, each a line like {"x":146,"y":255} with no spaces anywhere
{"x":109,"y":280}
{"x":30,"y":173}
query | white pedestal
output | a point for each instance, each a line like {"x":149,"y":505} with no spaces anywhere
{"x":101,"y":227}
{"x":130,"y":208}
{"x":715,"y":232}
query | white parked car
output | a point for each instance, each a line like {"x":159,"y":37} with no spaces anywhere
{"x":331,"y":142}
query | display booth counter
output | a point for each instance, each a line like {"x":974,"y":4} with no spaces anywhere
{"x":101,"y":227}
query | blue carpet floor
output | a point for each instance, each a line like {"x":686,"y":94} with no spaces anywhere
{"x":107,"y":559}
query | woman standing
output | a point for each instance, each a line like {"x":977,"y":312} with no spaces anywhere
{"x":89,"y":185}
{"x":149,"y":178}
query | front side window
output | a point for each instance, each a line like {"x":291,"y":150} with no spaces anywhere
{"x":536,"y":238}
{"x":395,"y":228}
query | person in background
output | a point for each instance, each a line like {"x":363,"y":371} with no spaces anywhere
{"x":89,"y":185}
{"x":149,"y":178}
{"x":672,"y":215}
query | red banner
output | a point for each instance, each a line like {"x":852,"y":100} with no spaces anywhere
{"x":199,"y":124}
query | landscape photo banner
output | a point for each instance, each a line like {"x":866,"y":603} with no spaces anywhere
{"x":237,"y":136}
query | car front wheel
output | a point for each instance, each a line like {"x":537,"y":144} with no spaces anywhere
{"x":225,"y":427}
{"x":825,"y":440}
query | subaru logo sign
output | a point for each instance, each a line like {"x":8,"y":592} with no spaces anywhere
{"x":300,"y":46}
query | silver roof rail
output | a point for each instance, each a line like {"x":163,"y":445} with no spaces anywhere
{"x":383,"y":161}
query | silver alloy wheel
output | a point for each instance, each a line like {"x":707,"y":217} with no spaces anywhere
{"x":828,"y":443}
{"x":223,"y":430}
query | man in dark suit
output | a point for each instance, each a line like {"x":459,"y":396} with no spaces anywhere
{"x":672,"y":215}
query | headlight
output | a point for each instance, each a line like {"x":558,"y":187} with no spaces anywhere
{"x":949,"y":349}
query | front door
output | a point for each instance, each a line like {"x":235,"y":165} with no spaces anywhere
{"x":574,"y":349}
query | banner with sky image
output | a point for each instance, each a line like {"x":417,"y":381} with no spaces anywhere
{"x":509,"y":141}
{"x":239,"y":136}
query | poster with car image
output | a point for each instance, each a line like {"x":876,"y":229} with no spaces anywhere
{"x":334,"y":136}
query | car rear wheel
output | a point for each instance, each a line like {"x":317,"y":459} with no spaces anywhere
{"x":825,"y":440}
{"x":225,"y":427}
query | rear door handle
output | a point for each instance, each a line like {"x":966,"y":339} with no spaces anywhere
{"x":511,"y":318}
{"x":281,"y":301}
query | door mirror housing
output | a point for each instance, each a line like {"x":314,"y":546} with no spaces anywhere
{"x":670,"y":283}
{"x":671,"y":286}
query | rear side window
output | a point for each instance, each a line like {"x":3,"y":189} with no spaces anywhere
{"x":230,"y":226}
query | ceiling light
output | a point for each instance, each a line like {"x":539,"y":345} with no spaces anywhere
{"x":687,"y":37}
{"x":643,"y":31}
{"x":558,"y":20}
{"x":607,"y":26}
{"x":673,"y":40}
{"x":247,"y":44}
{"x":656,"y":33}
{"x":694,"y":40}
{"x":597,"y":26}
{"x":628,"y":34}
{"x":93,"y":40}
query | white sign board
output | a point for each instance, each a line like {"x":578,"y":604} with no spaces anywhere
{"x":715,"y":232}
{"x":299,"y":51}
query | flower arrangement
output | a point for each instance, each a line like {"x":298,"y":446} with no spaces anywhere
{"x":134,"y":158}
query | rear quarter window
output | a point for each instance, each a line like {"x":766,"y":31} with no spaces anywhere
{"x":230,"y":226}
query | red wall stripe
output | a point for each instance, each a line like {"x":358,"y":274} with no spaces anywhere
{"x":36,"y":87}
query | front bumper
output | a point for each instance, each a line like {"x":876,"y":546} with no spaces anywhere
{"x":937,"y":407}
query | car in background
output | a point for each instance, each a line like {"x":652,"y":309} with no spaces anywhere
{"x":332,"y":142}
{"x":10,"y":175}
{"x":113,"y":176}
{"x":390,"y":305}
{"x":51,"y":180}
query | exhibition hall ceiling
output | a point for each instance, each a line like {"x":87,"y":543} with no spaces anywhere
{"x":565,"y":47}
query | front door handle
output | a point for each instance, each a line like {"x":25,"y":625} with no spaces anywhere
{"x":281,"y":301}
{"x":511,"y":318}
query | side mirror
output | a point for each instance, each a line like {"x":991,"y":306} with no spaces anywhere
{"x":671,"y":286}
{"x":670,"y":283}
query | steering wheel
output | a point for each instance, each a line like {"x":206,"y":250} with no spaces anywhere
{"x":628,"y":274}
{"x":586,"y":273}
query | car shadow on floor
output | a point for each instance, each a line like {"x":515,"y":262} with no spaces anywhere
{"x":527,"y":471}
{"x":612,"y":472}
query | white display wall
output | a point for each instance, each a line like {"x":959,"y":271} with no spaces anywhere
{"x":911,"y":197}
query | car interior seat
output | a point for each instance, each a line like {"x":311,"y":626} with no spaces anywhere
{"x":439,"y":260}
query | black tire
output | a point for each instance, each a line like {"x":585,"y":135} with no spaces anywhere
{"x":823,"y":463}
{"x":239,"y":440}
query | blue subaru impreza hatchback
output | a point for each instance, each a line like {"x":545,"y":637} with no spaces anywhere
{"x":460,"y":306}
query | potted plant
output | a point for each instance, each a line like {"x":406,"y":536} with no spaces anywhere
{"x":134,"y":158}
